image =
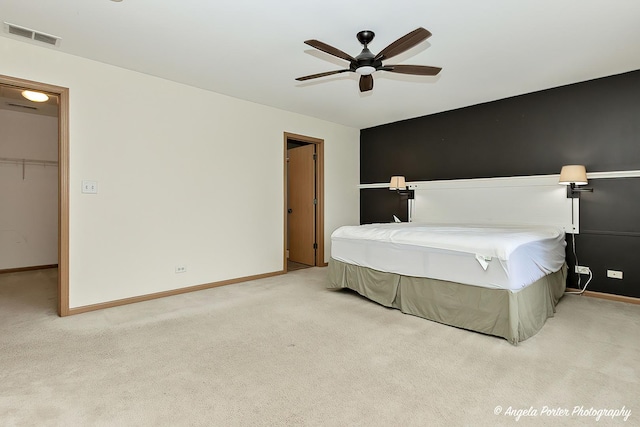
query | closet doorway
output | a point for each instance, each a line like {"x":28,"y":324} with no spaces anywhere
{"x":11,"y":86}
{"x":304,"y":202}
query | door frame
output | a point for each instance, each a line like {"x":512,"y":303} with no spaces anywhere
{"x":63,"y":181}
{"x":319,"y":177}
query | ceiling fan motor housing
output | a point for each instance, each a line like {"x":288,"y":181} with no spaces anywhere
{"x":365,"y":59}
{"x":365,"y":63}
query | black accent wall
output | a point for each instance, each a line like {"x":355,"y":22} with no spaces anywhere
{"x":595,"y":123}
{"x":380,"y":204}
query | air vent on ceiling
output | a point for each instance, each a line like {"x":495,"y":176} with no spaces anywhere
{"x":31,"y":34}
{"x":28,"y":107}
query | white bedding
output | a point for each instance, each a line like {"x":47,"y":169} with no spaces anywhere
{"x":506,"y":257}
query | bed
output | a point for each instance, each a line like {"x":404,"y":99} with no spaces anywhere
{"x":497,"y":278}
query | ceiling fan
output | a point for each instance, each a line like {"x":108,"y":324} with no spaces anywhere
{"x":366,"y":63}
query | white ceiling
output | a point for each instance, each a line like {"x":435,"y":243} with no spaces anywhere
{"x":253,"y":49}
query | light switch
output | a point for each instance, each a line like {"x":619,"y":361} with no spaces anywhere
{"x":90,"y":187}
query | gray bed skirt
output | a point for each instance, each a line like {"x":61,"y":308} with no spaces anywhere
{"x":515,"y":316}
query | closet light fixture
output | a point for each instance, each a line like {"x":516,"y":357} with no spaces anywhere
{"x":572,"y":176}
{"x":35,"y":96}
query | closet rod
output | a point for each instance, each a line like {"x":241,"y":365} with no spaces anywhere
{"x":28,"y":161}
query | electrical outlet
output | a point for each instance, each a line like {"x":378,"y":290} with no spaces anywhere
{"x":614,"y":274}
{"x":90,"y":187}
{"x":181,"y":269}
{"x":582,"y":270}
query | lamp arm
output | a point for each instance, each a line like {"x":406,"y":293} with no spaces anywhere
{"x":573,"y":192}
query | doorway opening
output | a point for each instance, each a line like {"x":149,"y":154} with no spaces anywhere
{"x":62,"y":95}
{"x":304,"y":202}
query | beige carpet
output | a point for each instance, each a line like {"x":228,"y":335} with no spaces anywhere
{"x":292,"y":265}
{"x":286,"y":351}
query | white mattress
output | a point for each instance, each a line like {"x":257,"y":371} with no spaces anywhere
{"x":505,"y":257}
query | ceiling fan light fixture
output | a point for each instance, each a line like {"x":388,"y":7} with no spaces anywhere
{"x":365,"y":70}
{"x":35,"y":96}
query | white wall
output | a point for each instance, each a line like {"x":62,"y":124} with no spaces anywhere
{"x":163,"y":155}
{"x":29,"y":198}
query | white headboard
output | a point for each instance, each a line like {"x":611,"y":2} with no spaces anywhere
{"x":514,"y":200}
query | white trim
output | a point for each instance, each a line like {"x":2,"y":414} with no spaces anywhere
{"x":382,"y":185}
{"x":500,"y":181}
{"x":511,"y":181}
{"x":614,"y":174}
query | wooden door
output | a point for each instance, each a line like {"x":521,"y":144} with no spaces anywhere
{"x":301,"y":216}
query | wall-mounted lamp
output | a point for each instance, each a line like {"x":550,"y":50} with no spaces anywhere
{"x":572,"y":176}
{"x":399,"y":184}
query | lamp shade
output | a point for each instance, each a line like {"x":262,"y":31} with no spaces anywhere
{"x":573,"y":174}
{"x":397,"y":183}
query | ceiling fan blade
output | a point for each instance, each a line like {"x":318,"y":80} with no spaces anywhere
{"x":327,"y":73}
{"x":404,"y":43}
{"x":420,"y":70}
{"x":330,"y":50}
{"x":366,"y":83}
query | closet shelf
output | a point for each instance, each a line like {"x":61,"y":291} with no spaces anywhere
{"x":28,"y":161}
